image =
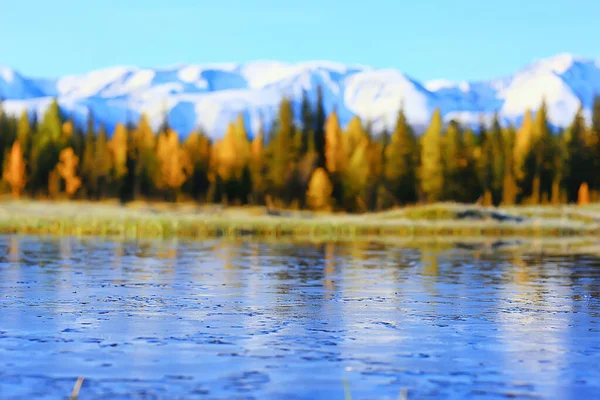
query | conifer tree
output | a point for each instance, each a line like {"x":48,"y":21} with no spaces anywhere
{"x":560,"y":160}
{"x":509,"y":185}
{"x":497,"y":160}
{"x":24,"y":133}
{"x":280,"y":155}
{"x":431,"y":173}
{"x":67,"y":169}
{"x":117,"y":147}
{"x":523,"y":146}
{"x":146,"y":163}
{"x":454,"y":161}
{"x":578,"y":169}
{"x":319,"y":140}
{"x":356,"y":178}
{"x":470,"y":179}
{"x":540,"y":153}
{"x":198,"y":149}
{"x":485,"y":166}
{"x":102,"y":163}
{"x":400,"y":161}
{"x":320,"y":189}
{"x":88,"y":171}
{"x":335,"y":156}
{"x":257,"y":166}
{"x":46,"y":146}
{"x":308,"y":128}
{"x":174,"y":165}
{"x":14,"y":173}
{"x":334,"y":147}
{"x":353,"y":137}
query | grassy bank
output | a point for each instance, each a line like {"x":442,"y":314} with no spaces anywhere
{"x":144,"y":220}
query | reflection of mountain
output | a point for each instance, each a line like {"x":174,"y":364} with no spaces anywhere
{"x":211,"y":96}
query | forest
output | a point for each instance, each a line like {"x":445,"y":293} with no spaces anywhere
{"x":315,"y":164}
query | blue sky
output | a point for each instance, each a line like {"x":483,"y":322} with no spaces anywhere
{"x":427,"y":39}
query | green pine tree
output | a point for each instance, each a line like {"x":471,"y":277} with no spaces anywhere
{"x":400,"y":161}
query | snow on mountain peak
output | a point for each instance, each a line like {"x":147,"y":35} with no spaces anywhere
{"x":7,"y":74}
{"x":212,"y":95}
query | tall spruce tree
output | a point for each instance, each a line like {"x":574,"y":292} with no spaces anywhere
{"x":319,"y":138}
{"x":578,"y":168}
{"x":280,"y":153}
{"x":400,"y":161}
{"x":454,"y":161}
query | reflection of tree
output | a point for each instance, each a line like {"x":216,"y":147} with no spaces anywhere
{"x":429,"y":261}
{"x":14,"y":254}
{"x":329,"y":268}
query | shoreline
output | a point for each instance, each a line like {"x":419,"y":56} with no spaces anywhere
{"x":165,"y":220}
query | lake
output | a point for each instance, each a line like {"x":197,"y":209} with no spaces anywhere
{"x":222,"y":319}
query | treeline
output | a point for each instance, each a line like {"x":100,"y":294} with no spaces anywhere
{"x":315,"y":164}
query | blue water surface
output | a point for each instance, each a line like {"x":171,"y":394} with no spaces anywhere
{"x":250,"y":320}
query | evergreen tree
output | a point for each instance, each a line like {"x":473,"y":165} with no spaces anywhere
{"x":308,"y":128}
{"x":356,"y":178}
{"x":118,"y":158}
{"x":509,"y":185}
{"x":578,"y":169}
{"x":319,"y":140}
{"x":400,"y":161}
{"x":470,"y":179}
{"x":198,"y":149}
{"x":88,"y":171}
{"x":431,"y":172}
{"x":46,"y":147}
{"x":485,"y":166}
{"x":146,"y":163}
{"x":280,"y":154}
{"x":102,"y":163}
{"x":257,"y":166}
{"x":497,"y":160}
{"x":540,"y":156}
{"x":454,"y":161}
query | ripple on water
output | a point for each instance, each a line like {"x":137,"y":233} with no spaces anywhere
{"x":224,"y":320}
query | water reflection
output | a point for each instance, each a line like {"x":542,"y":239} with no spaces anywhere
{"x":292,"y":320}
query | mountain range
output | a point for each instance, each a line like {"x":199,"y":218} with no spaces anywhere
{"x":212,"y":95}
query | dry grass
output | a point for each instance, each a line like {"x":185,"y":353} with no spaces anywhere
{"x":162,"y":220}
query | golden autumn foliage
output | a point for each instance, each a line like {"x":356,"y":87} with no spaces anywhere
{"x":523,"y":144}
{"x":67,"y":169}
{"x":320,"y":189}
{"x":583,"y":195}
{"x":118,"y":151}
{"x":14,"y":174}
{"x":174,"y":162}
{"x":67,"y":129}
{"x":232,"y":152}
{"x":334,"y":146}
{"x":257,"y":154}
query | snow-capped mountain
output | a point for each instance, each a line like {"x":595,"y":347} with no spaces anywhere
{"x":210,"y":96}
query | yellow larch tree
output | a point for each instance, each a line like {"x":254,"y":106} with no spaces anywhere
{"x":67,"y":169}
{"x":175,"y":165}
{"x":14,"y":174}
{"x":118,"y":152}
{"x":334,"y":146}
{"x":320,"y":189}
